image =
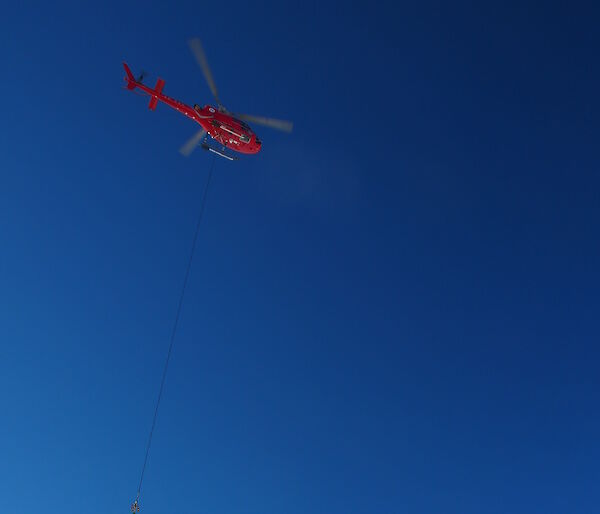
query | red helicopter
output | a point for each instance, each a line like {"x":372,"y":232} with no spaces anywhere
{"x":227,"y":128}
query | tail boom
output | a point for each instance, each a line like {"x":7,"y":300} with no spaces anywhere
{"x":156,"y":95}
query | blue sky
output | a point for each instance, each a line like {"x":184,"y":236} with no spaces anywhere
{"x":394,"y":309}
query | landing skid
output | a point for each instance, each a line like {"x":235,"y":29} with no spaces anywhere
{"x":220,"y":153}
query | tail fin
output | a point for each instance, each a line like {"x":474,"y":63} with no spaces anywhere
{"x":131,"y":82}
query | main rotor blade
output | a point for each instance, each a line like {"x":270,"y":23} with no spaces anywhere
{"x":198,"y":51}
{"x":285,"y":126}
{"x":192,"y":143}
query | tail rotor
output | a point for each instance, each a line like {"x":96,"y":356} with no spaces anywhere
{"x":142,"y":76}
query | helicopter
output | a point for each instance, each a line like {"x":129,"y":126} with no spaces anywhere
{"x":230,"y":130}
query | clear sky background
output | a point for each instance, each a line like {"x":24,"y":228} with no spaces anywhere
{"x":393,"y":309}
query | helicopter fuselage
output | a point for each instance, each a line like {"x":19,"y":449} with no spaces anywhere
{"x":221,"y":126}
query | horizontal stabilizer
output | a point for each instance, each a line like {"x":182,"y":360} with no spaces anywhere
{"x":160,"y":83}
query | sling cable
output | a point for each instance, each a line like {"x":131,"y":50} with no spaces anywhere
{"x":135,"y":506}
